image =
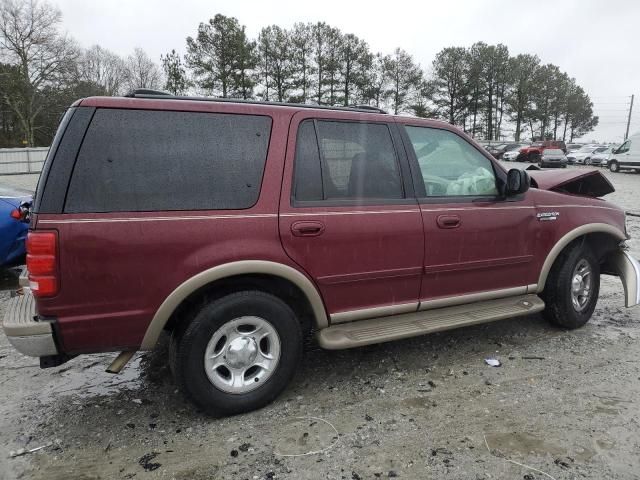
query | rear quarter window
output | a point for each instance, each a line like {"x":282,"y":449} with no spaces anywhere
{"x":144,"y":160}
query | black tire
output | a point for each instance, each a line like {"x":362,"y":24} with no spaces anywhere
{"x":534,"y":157}
{"x":190,"y":345}
{"x":587,"y":161}
{"x":557,"y":293}
{"x":614,"y":166}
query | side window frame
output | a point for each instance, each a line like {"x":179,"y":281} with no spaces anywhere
{"x":87,"y":126}
{"x":402,"y":162}
{"x":418,"y":181}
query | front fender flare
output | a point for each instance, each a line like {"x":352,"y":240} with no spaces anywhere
{"x":244,"y":267}
{"x":570,"y":237}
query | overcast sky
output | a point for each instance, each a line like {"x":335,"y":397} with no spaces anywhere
{"x":595,"y":41}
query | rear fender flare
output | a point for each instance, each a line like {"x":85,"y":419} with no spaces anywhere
{"x":570,"y":237}
{"x":226,"y":270}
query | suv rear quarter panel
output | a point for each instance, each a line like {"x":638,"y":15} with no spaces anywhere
{"x":116,"y":269}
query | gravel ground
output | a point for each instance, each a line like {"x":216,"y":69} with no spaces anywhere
{"x":564,"y":405}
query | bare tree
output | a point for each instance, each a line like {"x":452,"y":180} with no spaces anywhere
{"x":102,"y":68}
{"x":31,"y":40}
{"x":141,"y":71}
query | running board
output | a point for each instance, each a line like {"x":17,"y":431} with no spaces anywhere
{"x":384,"y":329}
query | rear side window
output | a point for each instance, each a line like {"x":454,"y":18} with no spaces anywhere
{"x":143,"y":160}
{"x":346,"y":161}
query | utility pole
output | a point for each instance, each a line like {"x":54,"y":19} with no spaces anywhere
{"x":626,"y":135}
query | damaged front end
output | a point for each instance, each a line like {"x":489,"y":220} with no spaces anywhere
{"x":621,"y":263}
{"x":586,"y":183}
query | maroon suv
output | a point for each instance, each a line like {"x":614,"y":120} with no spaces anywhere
{"x":242,"y":228}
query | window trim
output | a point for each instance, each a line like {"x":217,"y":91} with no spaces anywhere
{"x":418,"y":181}
{"x":91,"y":120}
{"x":401,"y":162}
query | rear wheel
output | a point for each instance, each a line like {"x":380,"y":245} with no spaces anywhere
{"x":238,"y":353}
{"x":572,"y":288}
{"x":613,"y":166}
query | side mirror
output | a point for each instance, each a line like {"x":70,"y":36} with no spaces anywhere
{"x":518,"y":181}
{"x":614,"y":151}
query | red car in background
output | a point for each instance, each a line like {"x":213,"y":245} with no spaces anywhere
{"x":241,"y":228}
{"x":533,"y":153}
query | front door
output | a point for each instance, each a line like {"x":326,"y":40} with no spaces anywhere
{"x":476,"y":243}
{"x":348,"y":215}
{"x":628,"y":154}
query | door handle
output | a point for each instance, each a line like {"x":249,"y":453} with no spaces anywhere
{"x":307,"y":229}
{"x":448,"y":221}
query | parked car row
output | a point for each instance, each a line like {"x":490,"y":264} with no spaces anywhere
{"x":555,"y":153}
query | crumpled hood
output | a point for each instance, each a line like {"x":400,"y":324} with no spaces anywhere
{"x":588,"y":183}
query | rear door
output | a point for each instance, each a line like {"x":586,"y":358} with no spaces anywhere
{"x":348,"y":215}
{"x":476,"y":243}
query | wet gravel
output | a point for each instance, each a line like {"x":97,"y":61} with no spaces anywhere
{"x":563,"y":405}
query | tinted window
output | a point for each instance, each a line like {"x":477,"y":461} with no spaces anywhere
{"x":357,"y":161}
{"x":308,"y":176}
{"x":449,"y":165}
{"x":137,"y":160}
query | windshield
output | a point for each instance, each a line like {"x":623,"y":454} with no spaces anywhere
{"x":587,"y":149}
{"x":601,"y":149}
{"x":553,"y":151}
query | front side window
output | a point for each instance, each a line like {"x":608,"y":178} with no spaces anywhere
{"x":145,"y":160}
{"x":449,"y":165}
{"x":345,"y":161}
{"x":625,"y":147}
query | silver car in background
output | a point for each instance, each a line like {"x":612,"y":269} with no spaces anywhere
{"x":581,"y":156}
{"x":600,"y":156}
{"x":553,"y":157}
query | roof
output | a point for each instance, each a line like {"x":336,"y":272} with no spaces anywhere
{"x":164,"y":96}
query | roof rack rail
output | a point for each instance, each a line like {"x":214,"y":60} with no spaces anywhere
{"x":146,"y":91}
{"x":368,"y":107}
{"x":160,"y":95}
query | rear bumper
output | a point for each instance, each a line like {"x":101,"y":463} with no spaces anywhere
{"x":622,"y":264}
{"x":25,"y":332}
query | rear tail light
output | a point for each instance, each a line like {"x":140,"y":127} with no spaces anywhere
{"x":42,"y":251}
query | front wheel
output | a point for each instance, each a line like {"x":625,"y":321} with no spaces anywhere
{"x":238,"y":353}
{"x":613,"y":166}
{"x":534,"y":157}
{"x":572,"y":288}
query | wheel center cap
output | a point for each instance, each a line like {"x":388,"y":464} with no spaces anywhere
{"x":241,"y":352}
{"x":577,"y":283}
